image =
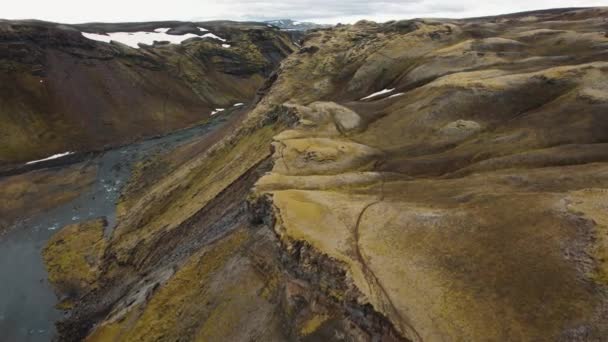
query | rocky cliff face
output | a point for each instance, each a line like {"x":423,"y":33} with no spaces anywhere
{"x":414,"y":180}
{"x":60,"y":91}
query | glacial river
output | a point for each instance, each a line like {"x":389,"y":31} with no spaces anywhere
{"x":27,"y":300}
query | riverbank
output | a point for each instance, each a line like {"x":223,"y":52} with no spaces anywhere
{"x":27,"y":300}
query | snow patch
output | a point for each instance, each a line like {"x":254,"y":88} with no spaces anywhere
{"x":55,"y":156}
{"x":133,"y":39}
{"x":395,"y":95}
{"x":381,"y":92}
{"x":238,"y":104}
{"x":202,"y":29}
{"x":211,"y":35}
{"x":217,"y":110}
{"x":226,"y":45}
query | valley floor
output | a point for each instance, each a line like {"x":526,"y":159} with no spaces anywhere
{"x":38,"y":204}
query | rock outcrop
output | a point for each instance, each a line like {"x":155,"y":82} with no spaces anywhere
{"x":466,"y":201}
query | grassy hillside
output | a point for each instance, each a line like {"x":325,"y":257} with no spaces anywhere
{"x":60,"y":91}
{"x":465,"y":201}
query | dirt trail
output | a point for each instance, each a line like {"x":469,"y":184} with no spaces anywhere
{"x":27,"y":300}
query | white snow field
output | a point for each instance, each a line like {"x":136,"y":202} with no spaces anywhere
{"x":133,"y":39}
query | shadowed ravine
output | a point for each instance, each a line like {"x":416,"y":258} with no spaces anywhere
{"x":27,"y":300}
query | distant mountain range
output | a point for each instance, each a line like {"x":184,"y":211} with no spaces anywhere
{"x":291,"y":25}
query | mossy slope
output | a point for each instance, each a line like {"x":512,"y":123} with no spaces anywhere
{"x":473,"y":221}
{"x":62,"y":92}
{"x":466,"y":204}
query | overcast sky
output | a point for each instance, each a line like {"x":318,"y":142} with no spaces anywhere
{"x":322,"y":11}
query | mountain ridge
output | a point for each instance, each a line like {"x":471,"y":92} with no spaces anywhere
{"x":424,"y":179}
{"x":198,"y":77}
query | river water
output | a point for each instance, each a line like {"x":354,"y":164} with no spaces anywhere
{"x":27,"y":300}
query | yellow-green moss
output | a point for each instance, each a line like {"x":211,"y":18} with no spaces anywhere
{"x":179,"y":306}
{"x":187,"y":189}
{"x":313,"y":324}
{"x":73,"y":255}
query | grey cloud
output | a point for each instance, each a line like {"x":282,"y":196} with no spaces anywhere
{"x":317,"y":8}
{"x":326,"y":11}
